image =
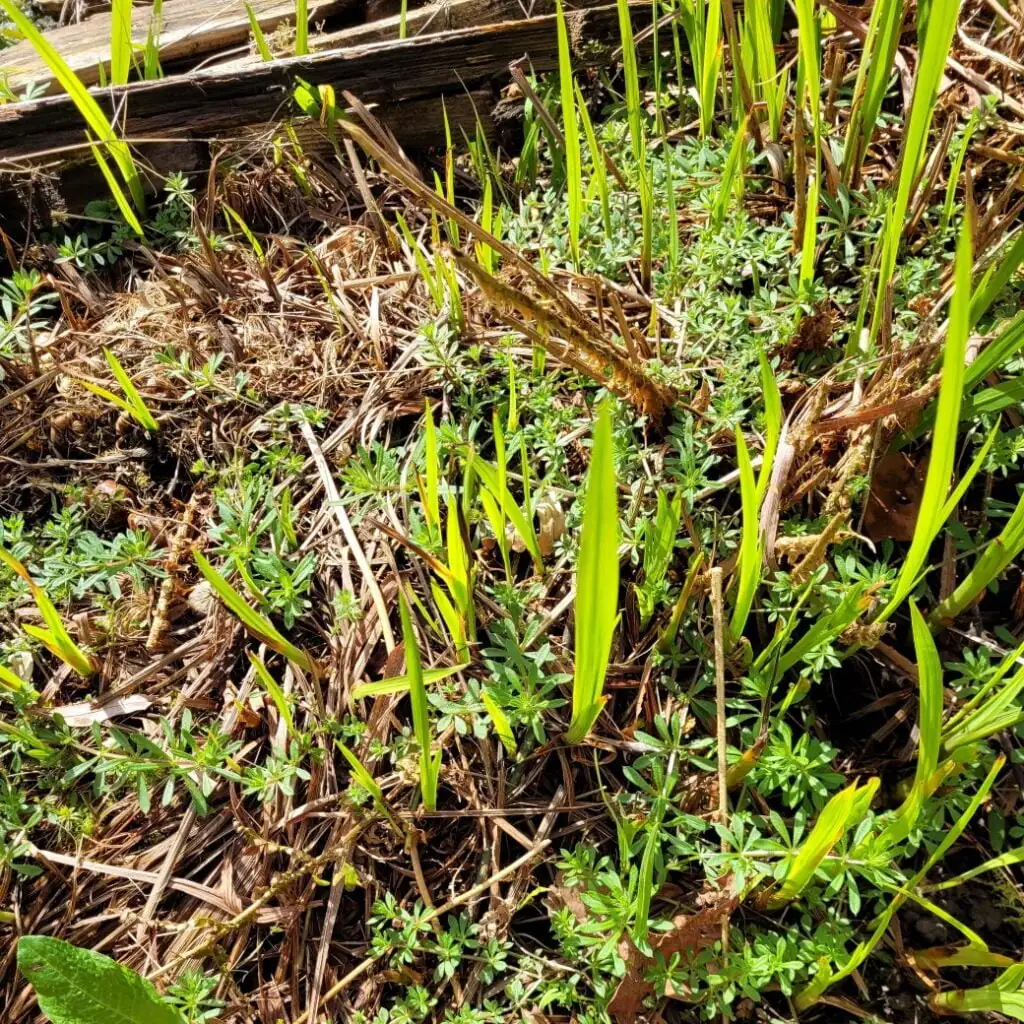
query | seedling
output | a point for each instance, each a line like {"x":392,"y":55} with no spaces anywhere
{"x":132,"y":403}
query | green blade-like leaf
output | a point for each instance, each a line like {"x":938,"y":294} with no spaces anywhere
{"x":502,"y":725}
{"x":261,"y":627}
{"x":947,"y":424}
{"x":522,"y":523}
{"x":262,"y":47}
{"x":275,"y":691}
{"x":87,"y":106}
{"x":120,"y":41}
{"x":750,"y":544}
{"x":79,"y":986}
{"x":55,"y":637}
{"x":137,"y":404}
{"x":400,"y":684}
{"x":420,"y":708}
{"x":597,"y":581}
{"x":571,"y":132}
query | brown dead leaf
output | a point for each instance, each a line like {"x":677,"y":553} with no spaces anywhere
{"x":897,"y":485}
{"x":552,"y":525}
{"x":690,"y":933}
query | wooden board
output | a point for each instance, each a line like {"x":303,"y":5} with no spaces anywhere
{"x":210,"y":103}
{"x":191,"y":29}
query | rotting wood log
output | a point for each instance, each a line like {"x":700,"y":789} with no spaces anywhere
{"x":39,"y":199}
{"x":210,"y":103}
{"x":433,"y":19}
{"x":190,"y":29}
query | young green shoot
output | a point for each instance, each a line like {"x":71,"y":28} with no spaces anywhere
{"x":256,"y":623}
{"x":430,"y":761}
{"x":571,"y":134}
{"x":132,"y":403}
{"x":749,"y":565}
{"x":597,"y":582}
{"x":53,"y":636}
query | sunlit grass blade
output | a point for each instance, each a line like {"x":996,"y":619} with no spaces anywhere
{"x":841,"y":813}
{"x":120,"y":41}
{"x":997,"y":556}
{"x":502,"y":725}
{"x":268,"y":683}
{"x":53,"y":635}
{"x":262,"y":46}
{"x":773,"y":415}
{"x":430,"y":764}
{"x":825,"y":629}
{"x":969,"y":955}
{"x":571,"y":134}
{"x":597,"y":582}
{"x":362,"y":775}
{"x":400,"y":684}
{"x":996,"y":278}
{"x":957,"y":166}
{"x":987,"y":718}
{"x":15,"y":684}
{"x":521,"y":519}
{"x":1005,"y":860}
{"x":732,"y":175}
{"x":947,"y":424}
{"x":929,"y":729}
{"x":301,"y":27}
{"x":151,"y":68}
{"x":931,"y":61}
{"x":872,"y":82}
{"x":749,"y":565}
{"x":668,"y":635}
{"x":826,"y":977}
{"x":1003,"y":996}
{"x":598,"y":167}
{"x":254,"y":242}
{"x":86,"y":105}
{"x":757,"y":21}
{"x":260,"y":626}
{"x":136,"y":403}
{"x":120,"y":199}
{"x":710,"y":65}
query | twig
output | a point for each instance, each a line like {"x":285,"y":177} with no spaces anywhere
{"x":334,"y":500}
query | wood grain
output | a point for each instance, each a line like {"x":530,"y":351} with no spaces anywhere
{"x":210,"y":103}
{"x":191,"y":29}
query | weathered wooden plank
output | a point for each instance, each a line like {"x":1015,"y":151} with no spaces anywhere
{"x":191,"y":28}
{"x":444,"y":16}
{"x":40,"y":197}
{"x":208,"y":103}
